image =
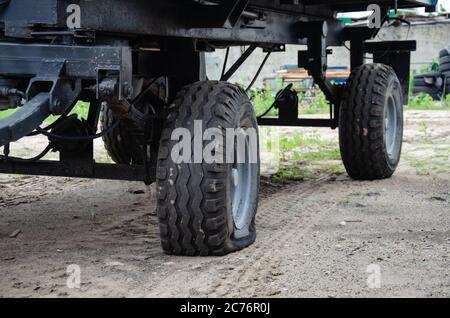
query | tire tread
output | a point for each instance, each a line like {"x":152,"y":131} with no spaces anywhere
{"x":362,"y":151}
{"x":192,"y":215}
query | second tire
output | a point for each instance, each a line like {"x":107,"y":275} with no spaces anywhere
{"x":371,"y":122}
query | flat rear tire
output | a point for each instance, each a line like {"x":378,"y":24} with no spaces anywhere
{"x":207,"y":208}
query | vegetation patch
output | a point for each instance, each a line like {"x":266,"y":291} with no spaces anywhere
{"x":424,"y":101}
{"x":305,"y":156}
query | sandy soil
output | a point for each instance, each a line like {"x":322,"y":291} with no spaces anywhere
{"x":315,"y":238}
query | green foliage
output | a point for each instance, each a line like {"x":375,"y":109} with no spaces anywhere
{"x":262,"y":100}
{"x":432,"y":67}
{"x":301,"y":146}
{"x":433,"y":166}
{"x":446,"y":102}
{"x":305,"y":155}
{"x":315,"y":105}
{"x":424,"y":134}
{"x":81,"y":109}
{"x":420,"y":101}
{"x":424,"y":101}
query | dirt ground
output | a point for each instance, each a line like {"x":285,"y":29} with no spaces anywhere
{"x":321,"y":238}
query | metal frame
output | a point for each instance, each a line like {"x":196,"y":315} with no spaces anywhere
{"x":396,"y":54}
{"x":61,"y":169}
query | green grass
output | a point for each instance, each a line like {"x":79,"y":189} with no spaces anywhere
{"x":297,"y":142}
{"x":438,"y":165}
{"x":82,"y":109}
{"x":424,"y":135}
{"x":422,"y":167}
{"x":304,"y":156}
{"x":424,"y":101}
{"x":262,"y":100}
{"x":315,"y":105}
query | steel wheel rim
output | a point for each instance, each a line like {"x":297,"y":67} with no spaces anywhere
{"x":241,"y":186}
{"x":390,"y":127}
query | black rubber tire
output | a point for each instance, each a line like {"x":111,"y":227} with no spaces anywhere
{"x":429,"y":74}
{"x":362,"y":134}
{"x":443,"y":53}
{"x":444,"y":67}
{"x":446,"y":83}
{"x":119,"y":143}
{"x":433,"y":91}
{"x":447,"y":90}
{"x":444,"y":59}
{"x":419,"y":80}
{"x":194,"y":200}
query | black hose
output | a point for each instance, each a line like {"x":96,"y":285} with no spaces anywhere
{"x":145,"y":91}
{"x":260,"y":69}
{"x":80,"y":138}
{"x":225,"y":62}
{"x":5,"y":91}
{"x":278,"y":97}
{"x":34,"y":159}
{"x":55,"y":124}
{"x":267,"y":111}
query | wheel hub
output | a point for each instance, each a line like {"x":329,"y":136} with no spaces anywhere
{"x":235,"y":177}
{"x":391,"y":126}
{"x":241,"y":187}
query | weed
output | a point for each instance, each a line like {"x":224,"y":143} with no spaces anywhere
{"x":93,"y":213}
{"x":315,"y":105}
{"x":424,"y":135}
{"x":303,"y":156}
{"x":262,"y":100}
